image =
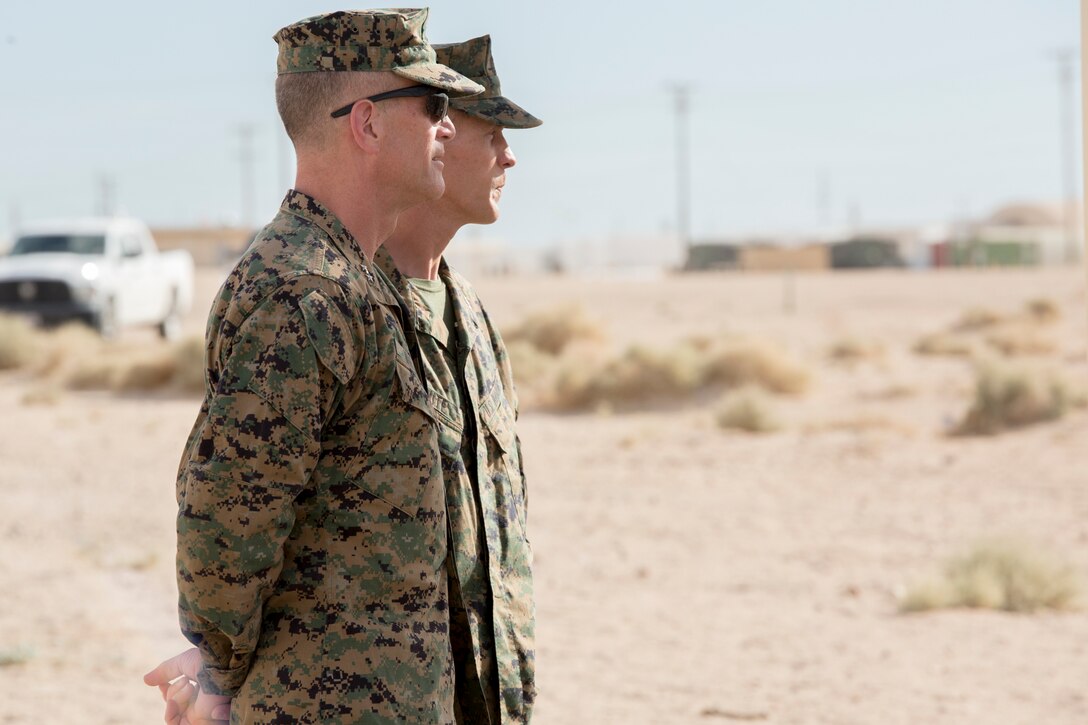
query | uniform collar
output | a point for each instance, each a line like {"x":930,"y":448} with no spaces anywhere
{"x":306,"y":207}
{"x":468,"y":324}
{"x":468,"y":327}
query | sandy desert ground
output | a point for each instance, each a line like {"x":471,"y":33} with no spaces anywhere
{"x":685,"y":574}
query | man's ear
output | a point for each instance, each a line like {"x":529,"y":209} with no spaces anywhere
{"x":366,"y":126}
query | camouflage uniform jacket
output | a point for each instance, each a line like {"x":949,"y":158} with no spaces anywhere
{"x":312,"y":532}
{"x":491,"y":585}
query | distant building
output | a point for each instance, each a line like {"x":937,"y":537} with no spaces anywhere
{"x":866,"y":253}
{"x":774,"y":258}
{"x":709,"y":256}
{"x":210,"y":246}
{"x":1022,"y":233}
{"x":757,"y":255}
{"x":987,"y":253}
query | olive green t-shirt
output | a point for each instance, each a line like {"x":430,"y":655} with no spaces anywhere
{"x":436,"y":297}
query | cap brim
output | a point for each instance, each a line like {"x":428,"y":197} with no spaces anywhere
{"x":498,"y":110}
{"x":439,"y":76}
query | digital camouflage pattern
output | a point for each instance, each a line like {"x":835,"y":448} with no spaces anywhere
{"x":312,"y":530}
{"x":473,"y":58}
{"x":367,"y":40}
{"x":491,"y":583}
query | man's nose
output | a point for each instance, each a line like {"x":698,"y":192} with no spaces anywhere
{"x":508,"y":159}
{"x":446,"y":129}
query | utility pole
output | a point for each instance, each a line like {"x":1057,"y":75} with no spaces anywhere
{"x":823,"y":198}
{"x":1064,"y":59}
{"x":14,"y":219}
{"x":245,"y":161}
{"x":106,"y":193}
{"x":681,"y":94}
{"x":855,"y":219}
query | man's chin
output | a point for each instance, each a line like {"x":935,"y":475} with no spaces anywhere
{"x":435,"y":190}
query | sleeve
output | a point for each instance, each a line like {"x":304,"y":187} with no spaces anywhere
{"x":252,"y":457}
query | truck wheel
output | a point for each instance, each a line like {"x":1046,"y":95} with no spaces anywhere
{"x":170,"y":327}
{"x":106,"y":320}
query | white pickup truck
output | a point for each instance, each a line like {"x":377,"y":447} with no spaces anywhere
{"x":106,"y":272}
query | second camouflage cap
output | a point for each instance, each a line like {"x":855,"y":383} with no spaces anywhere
{"x":368,"y":40}
{"x":473,"y":59}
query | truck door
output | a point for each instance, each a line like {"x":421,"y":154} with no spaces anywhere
{"x":135,"y":302}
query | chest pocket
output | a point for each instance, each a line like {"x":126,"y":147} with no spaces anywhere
{"x":503,"y":456}
{"x":498,"y":419}
{"x":399,"y":459}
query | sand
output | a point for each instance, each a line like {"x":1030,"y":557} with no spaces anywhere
{"x":685,"y":574}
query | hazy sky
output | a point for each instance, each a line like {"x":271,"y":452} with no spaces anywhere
{"x":908,"y":111}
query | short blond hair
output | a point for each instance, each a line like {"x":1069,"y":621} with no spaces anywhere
{"x":305,"y":100}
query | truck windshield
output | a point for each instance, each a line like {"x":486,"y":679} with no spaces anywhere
{"x":71,"y":243}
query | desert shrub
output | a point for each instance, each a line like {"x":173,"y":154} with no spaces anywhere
{"x":10,"y":657}
{"x":551,"y":331}
{"x":755,"y":362}
{"x":943,"y":343}
{"x":748,"y":409}
{"x":638,"y":374}
{"x":70,"y":344}
{"x":1043,"y":310}
{"x":530,"y":365}
{"x":19,"y":343}
{"x":641,"y":373}
{"x":998,"y":574}
{"x":1015,"y":340}
{"x":93,"y":374}
{"x":189,"y":365}
{"x":179,"y":367}
{"x":852,"y":349}
{"x":1012,"y":396}
{"x":1013,"y":334}
{"x":146,"y":374}
{"x":978,"y":318}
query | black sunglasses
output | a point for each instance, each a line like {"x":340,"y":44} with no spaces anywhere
{"x":438,"y":103}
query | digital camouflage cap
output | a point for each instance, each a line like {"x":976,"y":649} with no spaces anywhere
{"x":368,"y":40}
{"x":473,"y":59}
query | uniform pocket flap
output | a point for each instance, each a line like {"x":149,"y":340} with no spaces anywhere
{"x":331,"y":335}
{"x":498,"y":418}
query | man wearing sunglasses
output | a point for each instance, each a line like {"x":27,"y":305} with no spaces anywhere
{"x":312,"y":531}
{"x":471,"y":390}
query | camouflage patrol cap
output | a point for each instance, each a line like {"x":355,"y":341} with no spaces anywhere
{"x":473,"y":59}
{"x":368,"y":40}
